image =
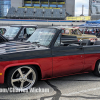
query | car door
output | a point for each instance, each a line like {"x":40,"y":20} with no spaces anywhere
{"x":67,"y":59}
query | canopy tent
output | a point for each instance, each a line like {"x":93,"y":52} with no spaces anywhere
{"x":91,"y":24}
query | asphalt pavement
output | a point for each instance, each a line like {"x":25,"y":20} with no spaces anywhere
{"x":76,"y":87}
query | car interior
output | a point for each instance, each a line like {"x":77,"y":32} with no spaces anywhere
{"x":28,"y":32}
{"x":74,"y":42}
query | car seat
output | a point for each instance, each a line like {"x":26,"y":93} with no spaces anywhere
{"x":85,"y":42}
{"x":97,"y":43}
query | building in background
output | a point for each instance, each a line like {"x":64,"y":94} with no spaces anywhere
{"x":41,"y":9}
{"x":69,"y":5}
{"x":94,"y":9}
{"x":4,"y":7}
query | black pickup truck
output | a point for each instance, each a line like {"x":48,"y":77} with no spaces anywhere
{"x":46,"y":54}
{"x":19,"y":32}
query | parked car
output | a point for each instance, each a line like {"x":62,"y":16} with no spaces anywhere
{"x":19,"y":32}
{"x":76,"y":32}
{"x":46,"y":54}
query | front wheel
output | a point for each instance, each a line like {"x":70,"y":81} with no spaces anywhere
{"x":97,"y":69}
{"x":22,"y":78}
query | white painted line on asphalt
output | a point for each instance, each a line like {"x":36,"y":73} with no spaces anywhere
{"x":49,"y":98}
{"x":83,"y":91}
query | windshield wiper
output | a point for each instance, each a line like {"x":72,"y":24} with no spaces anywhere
{"x":27,"y":41}
{"x":35,"y":42}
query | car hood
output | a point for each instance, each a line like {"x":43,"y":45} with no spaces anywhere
{"x":15,"y":46}
{"x":89,"y":36}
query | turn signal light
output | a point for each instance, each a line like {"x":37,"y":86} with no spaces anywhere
{"x":0,"y":73}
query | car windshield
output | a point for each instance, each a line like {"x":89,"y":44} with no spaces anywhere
{"x":42,"y":36}
{"x":12,"y":32}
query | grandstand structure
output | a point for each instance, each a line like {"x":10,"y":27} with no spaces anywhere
{"x":4,"y":6}
{"x":94,"y":9}
{"x":41,"y":9}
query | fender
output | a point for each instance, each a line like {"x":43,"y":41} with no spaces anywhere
{"x":93,"y":67}
{"x":21,"y":64}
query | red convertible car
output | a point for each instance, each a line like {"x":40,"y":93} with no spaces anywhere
{"x":46,"y":54}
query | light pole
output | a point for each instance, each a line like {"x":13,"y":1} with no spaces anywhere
{"x":40,"y":2}
{"x":48,"y":4}
{"x":31,"y":3}
{"x":56,"y":4}
{"x":82,"y":10}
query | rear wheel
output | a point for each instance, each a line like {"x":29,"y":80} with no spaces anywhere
{"x":22,"y":78}
{"x":97,"y":69}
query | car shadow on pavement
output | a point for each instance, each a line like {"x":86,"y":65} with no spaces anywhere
{"x":53,"y":85}
{"x":77,"y":77}
{"x":3,"y":85}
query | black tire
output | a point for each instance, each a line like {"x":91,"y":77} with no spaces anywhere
{"x":97,"y":69}
{"x":13,"y":70}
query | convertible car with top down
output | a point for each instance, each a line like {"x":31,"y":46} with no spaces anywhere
{"x":75,"y":31}
{"x":46,"y":54}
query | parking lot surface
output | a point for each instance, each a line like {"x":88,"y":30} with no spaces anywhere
{"x":77,"y":87}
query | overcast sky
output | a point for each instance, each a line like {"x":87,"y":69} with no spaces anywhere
{"x":78,"y":7}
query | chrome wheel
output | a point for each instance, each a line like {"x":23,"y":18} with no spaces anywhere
{"x":99,"y":68}
{"x":23,"y":78}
